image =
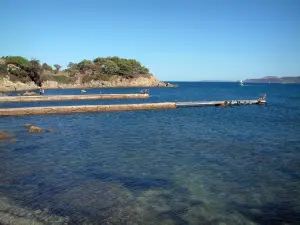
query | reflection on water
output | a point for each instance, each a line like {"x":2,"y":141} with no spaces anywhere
{"x":187,"y":166}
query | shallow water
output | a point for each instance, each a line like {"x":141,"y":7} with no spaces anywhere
{"x":234,"y":165}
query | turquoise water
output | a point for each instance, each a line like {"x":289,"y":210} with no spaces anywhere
{"x":233,"y":165}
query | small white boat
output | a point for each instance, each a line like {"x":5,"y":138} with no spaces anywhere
{"x":241,"y":83}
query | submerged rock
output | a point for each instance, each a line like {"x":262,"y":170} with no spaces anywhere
{"x":30,"y":93}
{"x":6,"y":136}
{"x":50,"y":129}
{"x":35,"y":129}
{"x":12,"y":140}
{"x":12,"y":213}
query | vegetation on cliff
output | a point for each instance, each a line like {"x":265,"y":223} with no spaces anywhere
{"x":100,"y":69}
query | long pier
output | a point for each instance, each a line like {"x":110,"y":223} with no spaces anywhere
{"x":219,"y":103}
{"x":121,"y":107}
{"x":45,"y":98}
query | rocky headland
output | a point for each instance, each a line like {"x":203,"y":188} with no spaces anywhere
{"x":19,"y":74}
{"x":150,"y":81}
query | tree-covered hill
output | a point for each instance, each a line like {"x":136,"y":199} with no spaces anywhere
{"x":21,"y":69}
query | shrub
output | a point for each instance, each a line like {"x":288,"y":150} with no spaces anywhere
{"x":62,"y":79}
{"x":87,"y":79}
{"x":96,"y":77}
{"x":15,"y":78}
{"x":17,"y":60}
{"x":46,"y":67}
{"x":3,"y":69}
{"x":46,"y":77}
{"x":19,"y":73}
{"x":101,"y":76}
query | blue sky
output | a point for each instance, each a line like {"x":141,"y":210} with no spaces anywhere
{"x":182,"y":40}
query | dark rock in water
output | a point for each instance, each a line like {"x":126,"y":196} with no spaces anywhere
{"x":105,"y":202}
{"x":27,"y":125}
{"x":50,"y":129}
{"x":28,"y":93}
{"x":35,"y":129}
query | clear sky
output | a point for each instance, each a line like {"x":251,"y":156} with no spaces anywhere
{"x":178,"y":40}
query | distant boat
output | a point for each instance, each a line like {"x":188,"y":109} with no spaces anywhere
{"x":241,"y":83}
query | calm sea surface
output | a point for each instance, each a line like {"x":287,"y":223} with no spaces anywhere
{"x":233,"y":165}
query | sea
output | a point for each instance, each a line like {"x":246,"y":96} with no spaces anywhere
{"x":214,"y":165}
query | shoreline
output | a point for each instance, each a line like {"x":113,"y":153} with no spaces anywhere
{"x":7,"y":85}
{"x":83,"y":87}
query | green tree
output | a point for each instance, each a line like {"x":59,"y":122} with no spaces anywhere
{"x":72,"y":65}
{"x":85,"y":65}
{"x":45,"y":66}
{"x":17,"y":60}
{"x":57,"y":67}
{"x":99,"y":60}
{"x":144,"y":70}
{"x":109,"y":67}
{"x":35,"y":63}
{"x":125,"y":68}
{"x":33,"y":71}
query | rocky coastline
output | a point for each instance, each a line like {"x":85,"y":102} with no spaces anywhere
{"x":6,"y":85}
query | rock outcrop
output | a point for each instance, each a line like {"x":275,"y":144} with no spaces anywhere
{"x":7,"y":85}
{"x":35,"y":129}
{"x":116,"y":81}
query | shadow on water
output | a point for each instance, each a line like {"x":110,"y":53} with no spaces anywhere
{"x":133,"y":183}
{"x":278,"y":213}
{"x":93,"y":196}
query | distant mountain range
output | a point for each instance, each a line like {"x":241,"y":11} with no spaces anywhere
{"x":273,"y":79}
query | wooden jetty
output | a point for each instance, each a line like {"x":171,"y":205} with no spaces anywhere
{"x":45,"y":98}
{"x":121,"y":107}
